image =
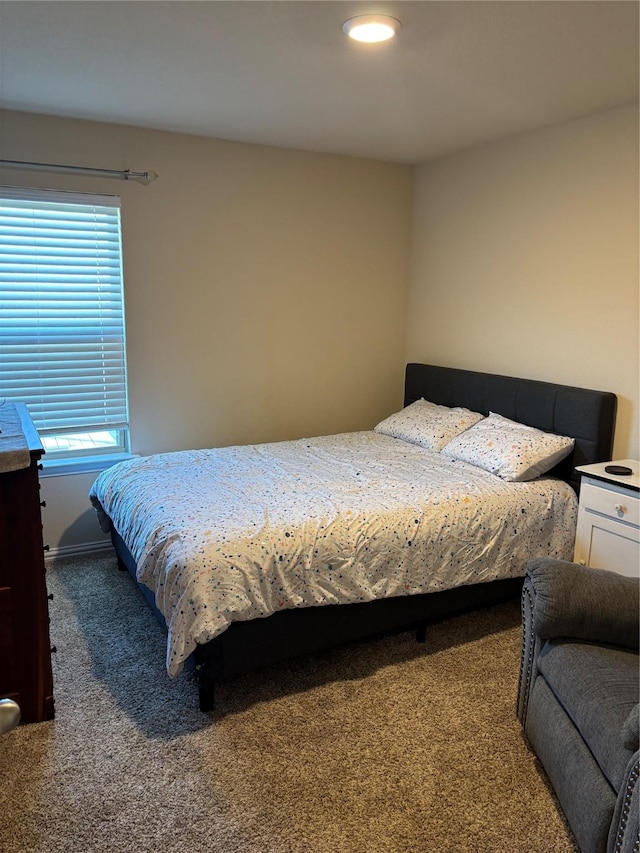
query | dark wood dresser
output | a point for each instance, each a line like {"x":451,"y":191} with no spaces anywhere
{"x":25,"y":651}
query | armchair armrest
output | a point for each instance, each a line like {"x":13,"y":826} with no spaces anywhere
{"x":585,"y":604}
{"x":562,"y":599}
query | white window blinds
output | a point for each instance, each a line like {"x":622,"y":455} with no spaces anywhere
{"x":62,"y":345}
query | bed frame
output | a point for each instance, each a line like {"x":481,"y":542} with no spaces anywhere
{"x":588,"y":416}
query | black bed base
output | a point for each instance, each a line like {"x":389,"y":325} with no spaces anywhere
{"x":246,"y":646}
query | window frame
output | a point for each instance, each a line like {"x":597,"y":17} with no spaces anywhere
{"x":75,"y":274}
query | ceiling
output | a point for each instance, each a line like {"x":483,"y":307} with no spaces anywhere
{"x":283,"y":73}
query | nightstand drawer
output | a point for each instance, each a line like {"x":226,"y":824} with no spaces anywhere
{"x":622,"y":507}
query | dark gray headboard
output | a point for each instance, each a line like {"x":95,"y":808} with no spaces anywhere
{"x":588,"y":416}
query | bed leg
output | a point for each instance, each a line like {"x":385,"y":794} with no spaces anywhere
{"x":206,"y":683}
{"x":421,"y":633}
{"x":206,"y":698}
{"x":121,"y":564}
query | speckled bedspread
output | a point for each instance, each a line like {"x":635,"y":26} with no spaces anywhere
{"x":238,"y":533}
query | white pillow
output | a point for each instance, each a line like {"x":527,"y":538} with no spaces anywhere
{"x":427,"y":424}
{"x":508,"y":449}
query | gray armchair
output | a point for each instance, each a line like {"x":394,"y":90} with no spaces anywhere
{"x":578,"y":697}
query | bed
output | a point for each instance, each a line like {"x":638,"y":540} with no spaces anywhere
{"x":252,"y":555}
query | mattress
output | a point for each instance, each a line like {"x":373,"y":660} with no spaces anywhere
{"x":238,"y":533}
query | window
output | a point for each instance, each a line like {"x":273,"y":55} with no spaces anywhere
{"x":62,"y":336}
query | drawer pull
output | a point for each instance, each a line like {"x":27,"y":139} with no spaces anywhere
{"x":46,"y":547}
{"x":43,"y":503}
{"x":50,"y":596}
{"x":620,"y":509}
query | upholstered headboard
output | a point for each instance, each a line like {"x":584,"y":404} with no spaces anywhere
{"x":588,"y":416}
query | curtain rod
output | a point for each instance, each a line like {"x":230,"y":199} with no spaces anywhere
{"x":125,"y":175}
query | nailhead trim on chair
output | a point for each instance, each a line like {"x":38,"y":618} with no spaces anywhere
{"x":526,"y":664}
{"x":633,"y":778}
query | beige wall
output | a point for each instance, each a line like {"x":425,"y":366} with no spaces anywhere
{"x":525,"y":260}
{"x":265,"y":289}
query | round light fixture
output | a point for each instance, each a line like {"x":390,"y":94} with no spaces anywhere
{"x":371,"y":28}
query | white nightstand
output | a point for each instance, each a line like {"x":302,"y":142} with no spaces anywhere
{"x":608,"y":534}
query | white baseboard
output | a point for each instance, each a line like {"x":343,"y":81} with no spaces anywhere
{"x":84,"y":549}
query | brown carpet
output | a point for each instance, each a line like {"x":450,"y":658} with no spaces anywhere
{"x":387,"y":747}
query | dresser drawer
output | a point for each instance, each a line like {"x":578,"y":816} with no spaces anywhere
{"x":622,"y":507}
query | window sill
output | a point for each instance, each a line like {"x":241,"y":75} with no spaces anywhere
{"x":52,"y":467}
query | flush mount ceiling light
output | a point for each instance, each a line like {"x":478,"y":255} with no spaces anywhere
{"x":371,"y":28}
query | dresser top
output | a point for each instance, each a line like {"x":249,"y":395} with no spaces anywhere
{"x":632,"y":481}
{"x":18,"y":437}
